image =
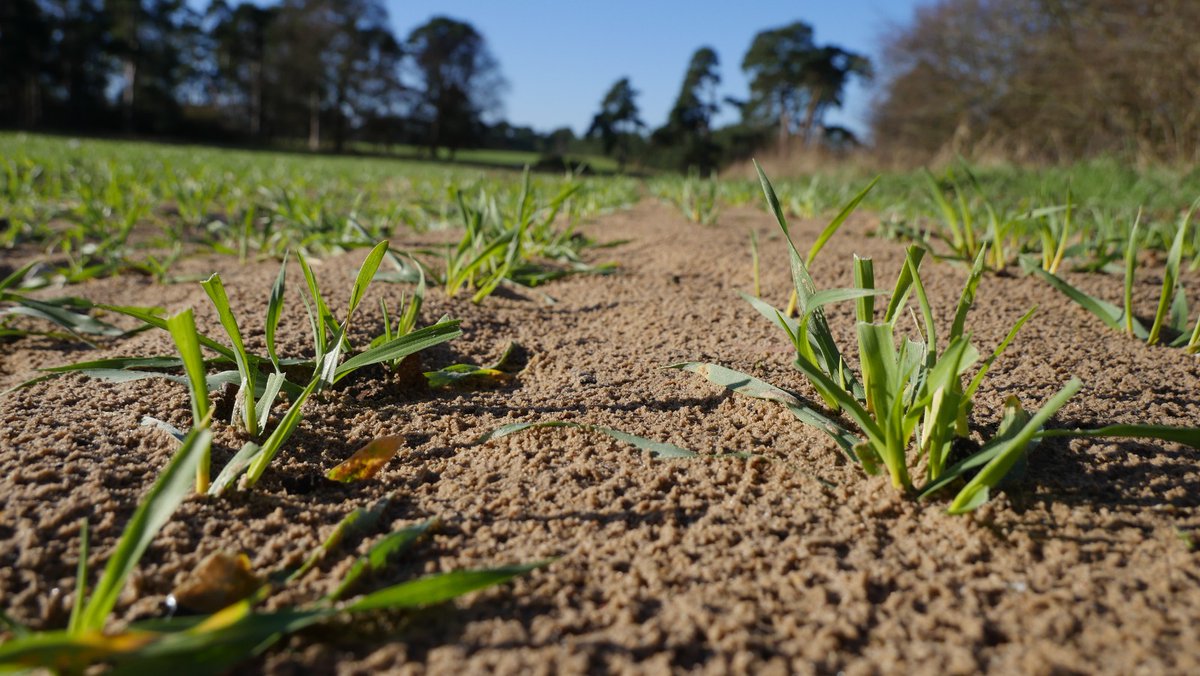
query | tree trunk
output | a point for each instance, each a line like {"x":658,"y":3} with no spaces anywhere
{"x":127,"y":92}
{"x":434,"y":132}
{"x":33,"y":103}
{"x":339,"y":119}
{"x":785,"y":123}
{"x":314,"y":122}
{"x":810,"y":118}
{"x":256,"y":95}
{"x":339,"y":129}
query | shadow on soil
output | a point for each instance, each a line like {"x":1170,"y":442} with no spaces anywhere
{"x":1123,"y":473}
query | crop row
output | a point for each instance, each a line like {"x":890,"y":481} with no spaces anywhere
{"x":897,"y":402}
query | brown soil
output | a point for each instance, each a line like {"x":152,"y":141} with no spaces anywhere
{"x":791,"y":561}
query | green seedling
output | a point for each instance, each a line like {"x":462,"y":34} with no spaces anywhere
{"x":236,"y":629}
{"x":329,"y":342}
{"x":495,"y":249}
{"x":971,"y":221}
{"x":257,"y":393}
{"x":1171,"y":313}
{"x":908,"y":396}
{"x":958,"y":219}
{"x":83,"y":641}
{"x":695,"y":197}
{"x":183,"y":330}
{"x":499,"y":371}
{"x":1055,"y":234}
{"x":69,"y":314}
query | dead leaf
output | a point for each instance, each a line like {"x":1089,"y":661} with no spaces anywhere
{"x":220,"y":580}
{"x":367,"y":461}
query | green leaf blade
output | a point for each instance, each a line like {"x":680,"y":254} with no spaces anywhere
{"x":167,"y":493}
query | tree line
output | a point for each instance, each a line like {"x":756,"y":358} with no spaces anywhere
{"x":1040,"y":80}
{"x":322,"y":71}
{"x":794,"y":82}
{"x":329,"y":73}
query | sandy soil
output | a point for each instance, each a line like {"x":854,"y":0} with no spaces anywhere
{"x":791,"y":561}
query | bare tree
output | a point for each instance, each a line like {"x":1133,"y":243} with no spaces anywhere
{"x":1044,"y":80}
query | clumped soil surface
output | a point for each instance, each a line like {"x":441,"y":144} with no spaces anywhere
{"x":790,"y":561}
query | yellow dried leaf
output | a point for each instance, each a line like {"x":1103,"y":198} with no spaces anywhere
{"x":220,"y":580}
{"x":367,"y":461}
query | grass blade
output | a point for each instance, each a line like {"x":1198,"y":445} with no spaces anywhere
{"x":750,"y":386}
{"x":743,"y":384}
{"x":234,"y":468}
{"x":183,"y":330}
{"x":1170,"y":279}
{"x":976,"y":492}
{"x":912,"y":264}
{"x":837,"y":221}
{"x":1112,"y":316}
{"x":903,"y":285}
{"x":271,"y":446}
{"x":357,"y":524}
{"x":439,"y":588}
{"x":884,"y":376}
{"x":848,"y":403}
{"x":401,"y":347}
{"x":152,"y":513}
{"x":377,"y":556}
{"x":1061,"y":249}
{"x":216,"y":293}
{"x":967,"y":298}
{"x":1011,"y":423}
{"x":1189,"y":436}
{"x":1193,"y":343}
{"x":149,"y":317}
{"x":864,"y":278}
{"x":78,"y":324}
{"x":324,"y":318}
{"x":830,"y":296}
{"x":657,"y":449}
{"x":366,"y":272}
{"x":16,"y":276}
{"x":275,"y":383}
{"x":274,"y":311}
{"x":949,"y":215}
{"x":1130,"y":264}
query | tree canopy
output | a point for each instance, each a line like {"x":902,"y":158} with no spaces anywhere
{"x":460,"y":81}
{"x":333,"y":71}
{"x":618,"y":120}
{"x":697,"y":100}
{"x":794,"y":81}
{"x":686,"y":136}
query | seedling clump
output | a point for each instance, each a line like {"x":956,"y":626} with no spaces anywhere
{"x":911,"y":399}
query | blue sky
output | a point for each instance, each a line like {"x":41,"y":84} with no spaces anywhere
{"x":561,"y":56}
